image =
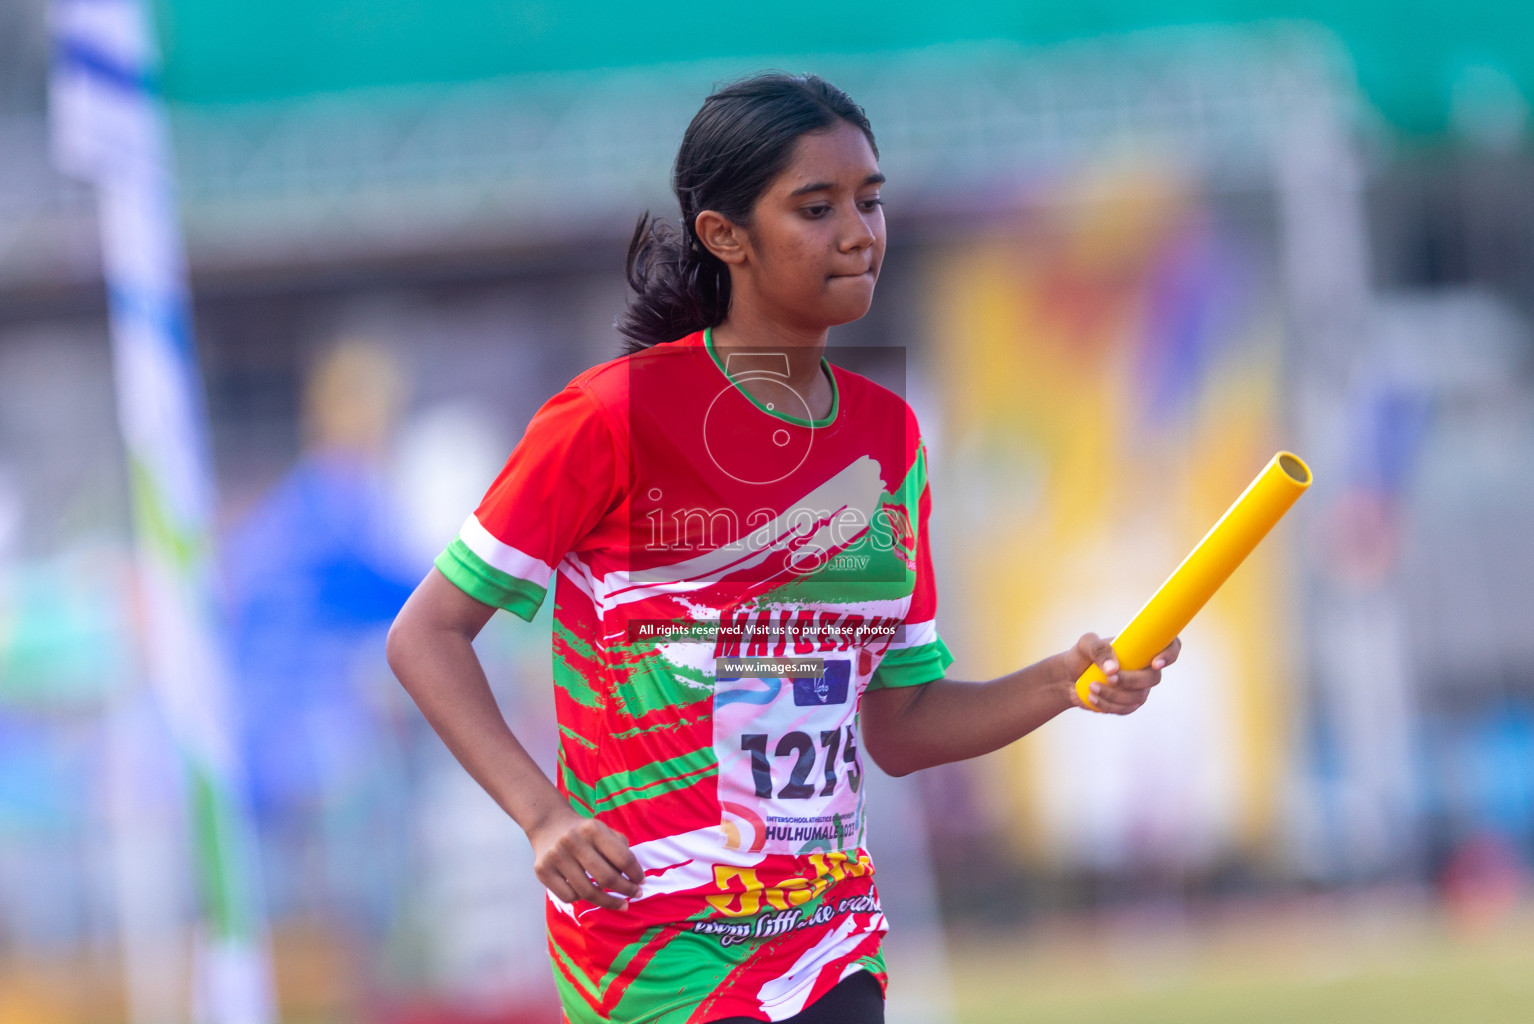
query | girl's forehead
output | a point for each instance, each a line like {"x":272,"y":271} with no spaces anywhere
{"x":838,"y":157}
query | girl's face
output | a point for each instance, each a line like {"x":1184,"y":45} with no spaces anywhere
{"x":816,"y":241}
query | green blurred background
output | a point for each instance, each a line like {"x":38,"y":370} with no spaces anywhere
{"x":1410,"y":58}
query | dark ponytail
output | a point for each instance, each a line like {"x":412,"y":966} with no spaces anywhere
{"x":741,"y":139}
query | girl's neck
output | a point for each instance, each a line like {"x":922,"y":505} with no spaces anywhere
{"x":802,"y":349}
{"x":800,"y":353}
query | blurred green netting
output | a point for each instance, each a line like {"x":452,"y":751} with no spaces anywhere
{"x":1426,"y":66}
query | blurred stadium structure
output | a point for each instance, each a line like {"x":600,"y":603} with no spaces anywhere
{"x":1125,"y":266}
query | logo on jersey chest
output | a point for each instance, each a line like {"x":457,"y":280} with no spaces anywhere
{"x":902,"y":538}
{"x":828,"y":688}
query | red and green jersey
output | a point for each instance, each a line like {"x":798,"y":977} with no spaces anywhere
{"x":729,"y":579}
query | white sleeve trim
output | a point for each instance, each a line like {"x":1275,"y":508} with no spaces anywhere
{"x":504,"y":557}
{"x":916,"y":634}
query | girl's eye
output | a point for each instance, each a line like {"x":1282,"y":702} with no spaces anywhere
{"x":870,"y":205}
{"x":817,"y":211}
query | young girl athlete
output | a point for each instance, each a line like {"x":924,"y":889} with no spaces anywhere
{"x":702,"y":844}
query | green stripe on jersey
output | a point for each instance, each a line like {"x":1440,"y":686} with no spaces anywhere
{"x":570,"y":676}
{"x":484,"y":582}
{"x":653,"y":779}
{"x":913,"y":666}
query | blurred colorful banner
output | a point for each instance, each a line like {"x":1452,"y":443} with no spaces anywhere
{"x":1111,"y":379}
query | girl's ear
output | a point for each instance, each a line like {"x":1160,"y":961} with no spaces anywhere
{"x":721,"y":236}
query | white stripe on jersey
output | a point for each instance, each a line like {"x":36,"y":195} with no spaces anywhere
{"x":916,"y":634}
{"x":502,"y":556}
{"x":856,"y":488}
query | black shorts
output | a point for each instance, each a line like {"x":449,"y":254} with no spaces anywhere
{"x":856,"y":999}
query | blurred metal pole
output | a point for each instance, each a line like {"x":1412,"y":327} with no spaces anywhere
{"x":147,"y":865}
{"x":110,"y":129}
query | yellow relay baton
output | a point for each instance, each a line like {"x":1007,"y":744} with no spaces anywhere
{"x":1239,"y":530}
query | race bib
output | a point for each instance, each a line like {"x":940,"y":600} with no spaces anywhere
{"x":790,"y":778}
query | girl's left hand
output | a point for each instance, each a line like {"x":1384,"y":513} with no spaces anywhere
{"x":1124,"y":690}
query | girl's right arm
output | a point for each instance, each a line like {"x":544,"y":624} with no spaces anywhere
{"x":431,"y":650}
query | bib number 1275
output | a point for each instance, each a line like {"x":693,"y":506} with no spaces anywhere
{"x":837,"y":750}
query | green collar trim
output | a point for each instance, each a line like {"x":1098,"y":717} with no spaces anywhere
{"x":836,"y":397}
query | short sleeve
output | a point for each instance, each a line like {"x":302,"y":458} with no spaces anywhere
{"x":919,"y":656}
{"x":561,"y":479}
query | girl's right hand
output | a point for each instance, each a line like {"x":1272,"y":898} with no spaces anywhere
{"x":577,"y":858}
{"x":1120,"y":692}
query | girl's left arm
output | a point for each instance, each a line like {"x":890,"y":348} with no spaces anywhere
{"x":907,"y":728}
